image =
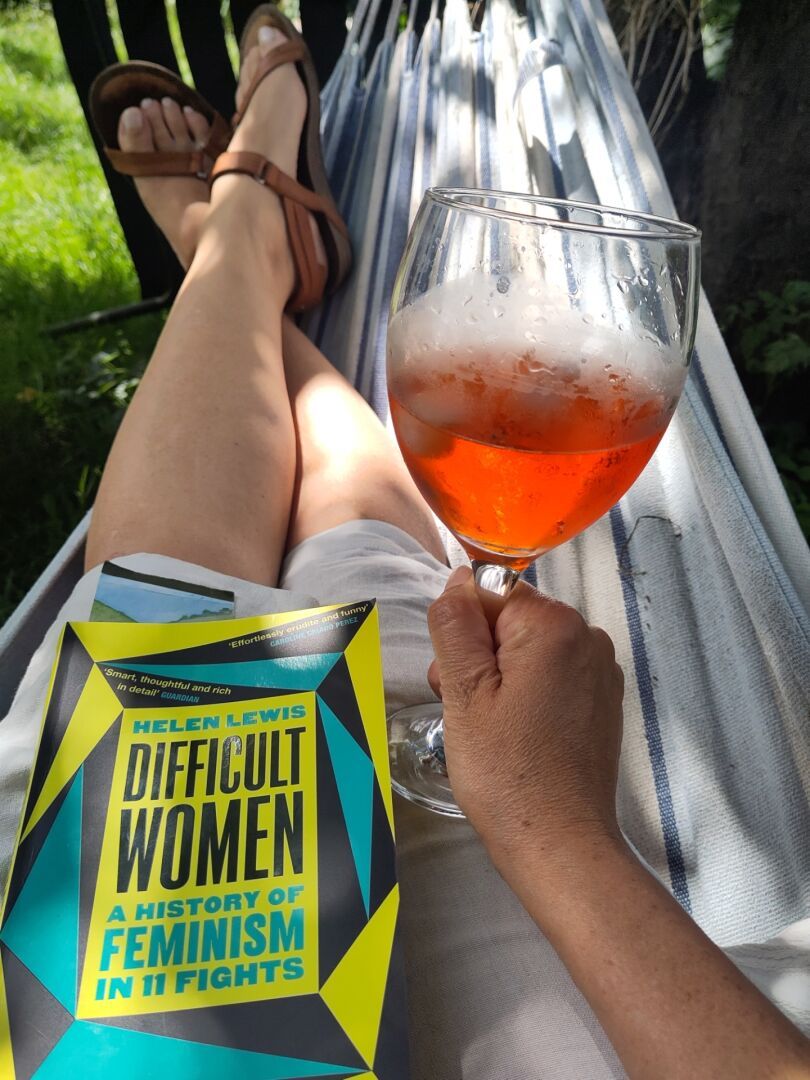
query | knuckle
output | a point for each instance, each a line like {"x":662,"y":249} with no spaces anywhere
{"x":569,"y":626}
{"x":603,"y":641}
{"x":446,"y":606}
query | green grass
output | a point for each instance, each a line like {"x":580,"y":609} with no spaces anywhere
{"x":62,"y":256}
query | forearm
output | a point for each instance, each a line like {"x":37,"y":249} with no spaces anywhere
{"x":669,"y":1000}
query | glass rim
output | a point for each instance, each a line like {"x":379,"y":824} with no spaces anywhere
{"x":664,"y":228}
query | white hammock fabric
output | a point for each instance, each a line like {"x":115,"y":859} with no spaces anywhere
{"x":700,"y":575}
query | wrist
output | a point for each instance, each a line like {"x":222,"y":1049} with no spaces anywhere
{"x":553,"y":876}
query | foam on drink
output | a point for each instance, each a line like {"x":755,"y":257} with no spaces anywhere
{"x":521,"y":421}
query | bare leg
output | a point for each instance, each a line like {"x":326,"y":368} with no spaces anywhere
{"x":348,"y":466}
{"x":203,"y":466}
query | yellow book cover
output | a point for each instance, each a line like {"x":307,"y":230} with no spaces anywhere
{"x":204,"y":883}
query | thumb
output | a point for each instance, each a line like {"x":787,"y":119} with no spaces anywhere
{"x":462,"y":640}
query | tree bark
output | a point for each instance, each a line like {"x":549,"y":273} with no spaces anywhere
{"x":754,"y":207}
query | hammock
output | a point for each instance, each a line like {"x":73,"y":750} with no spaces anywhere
{"x":700,"y":574}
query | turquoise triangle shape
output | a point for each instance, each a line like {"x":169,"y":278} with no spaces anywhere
{"x":43,"y":928}
{"x":284,"y":673}
{"x":88,"y":1050}
{"x":354,"y":774}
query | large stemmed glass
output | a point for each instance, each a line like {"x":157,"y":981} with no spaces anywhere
{"x":537,"y":349}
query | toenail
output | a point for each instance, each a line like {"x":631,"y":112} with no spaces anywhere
{"x":147,"y":101}
{"x":132,"y":119}
{"x":269,"y":36}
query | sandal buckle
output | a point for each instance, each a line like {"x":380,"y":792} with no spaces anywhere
{"x":260,"y":175}
{"x":202,"y":163}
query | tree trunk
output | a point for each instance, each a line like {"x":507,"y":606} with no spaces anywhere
{"x":754,"y":208}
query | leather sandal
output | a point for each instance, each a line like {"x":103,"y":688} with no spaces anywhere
{"x":122,"y":85}
{"x":310,"y":194}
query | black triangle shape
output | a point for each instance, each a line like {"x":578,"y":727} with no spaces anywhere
{"x":36,"y":1019}
{"x":131,"y":694}
{"x":75,"y":665}
{"x":338,"y":693}
{"x":383,"y":852}
{"x":391,"y":1058}
{"x":341,"y":911}
{"x":299,"y":1027}
{"x":30,"y":847}
{"x":98,"y":773}
{"x":326,"y":638}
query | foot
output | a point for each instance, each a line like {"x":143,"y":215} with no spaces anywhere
{"x":177,"y":204}
{"x":272,"y":127}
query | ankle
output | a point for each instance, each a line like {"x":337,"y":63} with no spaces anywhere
{"x":245,"y":222}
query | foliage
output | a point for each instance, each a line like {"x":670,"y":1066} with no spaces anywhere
{"x":717,"y":18}
{"x":769,"y":337}
{"x":63,"y":255}
{"x":659,"y":40}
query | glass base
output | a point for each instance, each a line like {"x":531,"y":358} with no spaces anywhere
{"x":416,"y":752}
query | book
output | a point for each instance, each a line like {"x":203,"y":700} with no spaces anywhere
{"x":204,"y":882}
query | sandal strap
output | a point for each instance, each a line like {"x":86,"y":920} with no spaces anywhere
{"x":289,"y":53}
{"x":298,"y":203}
{"x":265,"y":172}
{"x":173,"y":162}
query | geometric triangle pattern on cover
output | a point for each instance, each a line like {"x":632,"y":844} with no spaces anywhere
{"x":36,"y":1020}
{"x":342,"y":912}
{"x":67,"y":685}
{"x":367,"y":682}
{"x":284,"y":673}
{"x":356,"y":988}
{"x":97,"y":709}
{"x":134,"y":1055}
{"x":354,"y":774}
{"x":42,"y":927}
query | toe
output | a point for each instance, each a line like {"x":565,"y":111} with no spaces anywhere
{"x":270,"y":38}
{"x":160,"y":131}
{"x":198,"y":126}
{"x":134,"y":133}
{"x":176,"y":123}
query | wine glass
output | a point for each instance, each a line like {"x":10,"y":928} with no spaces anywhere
{"x":537,"y":349}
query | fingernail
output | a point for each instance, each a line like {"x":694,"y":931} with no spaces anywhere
{"x":166,"y":101}
{"x":146,"y":102}
{"x":459,"y":576}
{"x":132,"y":119}
{"x":187,"y":109}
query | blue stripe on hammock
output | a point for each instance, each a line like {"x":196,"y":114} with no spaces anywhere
{"x":652,"y":729}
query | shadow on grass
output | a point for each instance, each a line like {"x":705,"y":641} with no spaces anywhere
{"x":31,"y":60}
{"x":28,"y":129}
{"x":58,"y":419}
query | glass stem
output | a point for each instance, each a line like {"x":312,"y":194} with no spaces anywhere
{"x":494,"y":578}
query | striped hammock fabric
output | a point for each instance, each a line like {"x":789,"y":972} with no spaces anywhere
{"x":700,"y":574}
